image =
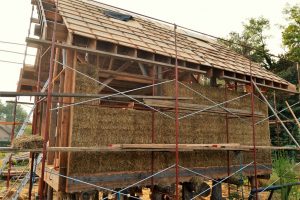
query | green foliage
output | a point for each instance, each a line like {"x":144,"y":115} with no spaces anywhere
{"x":6,"y":112}
{"x":234,"y":195}
{"x":283,"y":168}
{"x":252,"y":41}
{"x":28,"y":130}
{"x":291,"y":33}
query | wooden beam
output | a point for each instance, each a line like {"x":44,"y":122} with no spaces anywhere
{"x":143,"y":69}
{"x":25,"y":81}
{"x":259,"y":84}
{"x":153,"y":147}
{"x":53,"y":118}
{"x":12,"y":123}
{"x":123,"y":76}
{"x":50,"y":16}
{"x":271,"y":122}
{"x":35,"y":43}
{"x":293,"y":114}
{"x":61,"y":31}
{"x":111,"y":78}
{"x":67,"y":113}
{"x":197,"y":107}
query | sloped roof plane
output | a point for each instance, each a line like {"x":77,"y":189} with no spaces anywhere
{"x":87,"y":18}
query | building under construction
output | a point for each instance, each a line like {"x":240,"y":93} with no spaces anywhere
{"x":124,"y":101}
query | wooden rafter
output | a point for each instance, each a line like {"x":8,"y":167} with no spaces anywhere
{"x":111,"y":78}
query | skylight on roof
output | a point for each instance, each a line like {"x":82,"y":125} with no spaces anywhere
{"x":117,"y":15}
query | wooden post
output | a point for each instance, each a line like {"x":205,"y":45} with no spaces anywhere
{"x":187,"y":194}
{"x":216,"y":193}
{"x":67,"y":112}
{"x":293,"y":114}
{"x":49,"y":193}
{"x":53,"y":118}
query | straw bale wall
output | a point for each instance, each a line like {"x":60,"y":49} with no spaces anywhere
{"x":95,"y":126}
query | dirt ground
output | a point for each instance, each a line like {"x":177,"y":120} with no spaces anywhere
{"x":236,"y":193}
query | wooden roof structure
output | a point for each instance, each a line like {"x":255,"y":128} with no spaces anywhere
{"x":89,"y":19}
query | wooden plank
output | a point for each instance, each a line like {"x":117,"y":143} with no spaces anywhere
{"x":293,"y":114}
{"x":110,"y":79}
{"x":29,"y":82}
{"x":53,"y":118}
{"x":50,"y":15}
{"x":125,"y":178}
{"x":11,"y":123}
{"x":61,"y":31}
{"x":197,"y":107}
{"x":153,"y":147}
{"x":123,"y":76}
{"x":49,"y":178}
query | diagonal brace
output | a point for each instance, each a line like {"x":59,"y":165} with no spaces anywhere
{"x":275,"y":114}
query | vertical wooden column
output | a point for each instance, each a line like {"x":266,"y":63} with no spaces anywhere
{"x":49,"y":193}
{"x":67,"y":112}
{"x":59,"y":118}
{"x":53,"y":118}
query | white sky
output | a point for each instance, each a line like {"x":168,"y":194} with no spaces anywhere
{"x":215,"y":17}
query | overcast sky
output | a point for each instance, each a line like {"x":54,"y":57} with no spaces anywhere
{"x":216,"y":17}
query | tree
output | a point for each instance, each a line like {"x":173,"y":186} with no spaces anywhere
{"x":291,"y":33}
{"x":251,"y":43}
{"x":6,"y":113}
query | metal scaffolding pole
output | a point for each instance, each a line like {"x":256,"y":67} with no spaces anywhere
{"x":49,"y":103}
{"x":227,"y":136}
{"x":11,"y":141}
{"x":176,"y":117}
{"x":35,"y":121}
{"x":253,"y":131}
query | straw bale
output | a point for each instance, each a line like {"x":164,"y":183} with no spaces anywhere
{"x":96,"y":126}
{"x":28,"y":142}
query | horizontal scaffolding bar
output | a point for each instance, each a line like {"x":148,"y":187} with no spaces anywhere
{"x":43,"y":94}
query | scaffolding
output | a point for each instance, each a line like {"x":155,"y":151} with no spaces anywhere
{"x":59,"y":100}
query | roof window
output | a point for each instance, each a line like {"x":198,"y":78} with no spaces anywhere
{"x":118,"y":16}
